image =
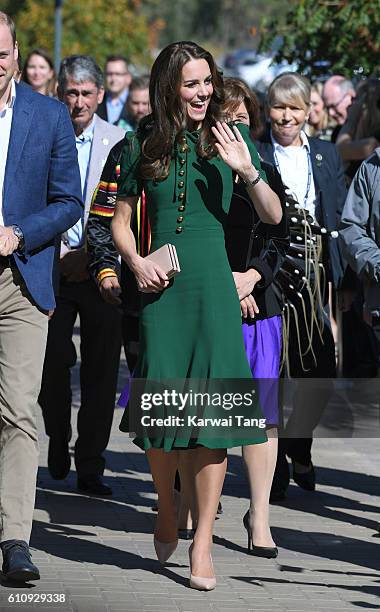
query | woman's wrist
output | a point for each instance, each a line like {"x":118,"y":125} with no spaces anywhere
{"x":249,"y":175}
{"x":134,"y":262}
{"x":254,"y":275}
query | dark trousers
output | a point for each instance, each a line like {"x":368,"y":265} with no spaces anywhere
{"x":100,"y":343}
{"x":312,"y":393}
{"x":130,"y":333}
{"x":131,"y":304}
{"x":360,"y":350}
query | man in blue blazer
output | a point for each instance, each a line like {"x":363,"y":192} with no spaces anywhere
{"x":40,"y":197}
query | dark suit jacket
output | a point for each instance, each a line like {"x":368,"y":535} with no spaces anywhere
{"x":330,"y":191}
{"x":42,"y":189}
{"x":250,"y":243}
{"x":102,"y":112}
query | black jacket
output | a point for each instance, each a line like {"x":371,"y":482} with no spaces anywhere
{"x":330,"y":191}
{"x":253,"y":244}
{"x":102,"y":112}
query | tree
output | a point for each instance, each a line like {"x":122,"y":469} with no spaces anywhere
{"x":11,"y":7}
{"x":91,"y":27}
{"x":218,"y":25}
{"x":345,"y":34}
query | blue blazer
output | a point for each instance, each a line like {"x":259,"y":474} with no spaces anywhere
{"x":42,"y":188}
{"x":330,"y":190}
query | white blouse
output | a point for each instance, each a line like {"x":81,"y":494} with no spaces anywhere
{"x":293,"y":165}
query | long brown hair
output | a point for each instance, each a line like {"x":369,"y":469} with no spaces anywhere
{"x":368,"y":97}
{"x":237,"y":91}
{"x":163,"y":128}
{"x":52,"y":83}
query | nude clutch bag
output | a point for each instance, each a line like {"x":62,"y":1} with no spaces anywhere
{"x":166,"y":258}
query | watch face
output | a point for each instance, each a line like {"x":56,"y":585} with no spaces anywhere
{"x":18,"y":233}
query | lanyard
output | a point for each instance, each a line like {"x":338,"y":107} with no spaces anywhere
{"x":309,"y":172}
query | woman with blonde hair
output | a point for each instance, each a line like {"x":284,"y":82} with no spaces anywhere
{"x":312,"y":172}
{"x":319,"y":124}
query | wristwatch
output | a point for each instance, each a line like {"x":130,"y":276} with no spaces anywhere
{"x":19,"y":234}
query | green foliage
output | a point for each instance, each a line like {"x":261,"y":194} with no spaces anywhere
{"x":93,"y":27}
{"x":220,"y":25}
{"x":345,"y":33}
{"x":11,"y":7}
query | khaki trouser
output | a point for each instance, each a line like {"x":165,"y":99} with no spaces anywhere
{"x":23,"y":333}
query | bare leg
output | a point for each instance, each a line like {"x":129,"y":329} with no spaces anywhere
{"x":163,"y":467}
{"x":260,"y":460}
{"x":210,"y":469}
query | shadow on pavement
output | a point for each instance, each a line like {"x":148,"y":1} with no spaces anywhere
{"x":73,"y":544}
{"x":322,"y":545}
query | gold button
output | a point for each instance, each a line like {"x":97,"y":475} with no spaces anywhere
{"x":181,"y":184}
{"x":182,"y":161}
{"x":181,"y":208}
{"x":182,"y":150}
{"x":183,"y":139}
{"x":181,"y":196}
{"x":179,"y":219}
{"x":179,"y":229}
{"x":181,"y":172}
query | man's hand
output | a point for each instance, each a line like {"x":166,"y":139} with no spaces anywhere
{"x":245,"y":282}
{"x":73,"y":266}
{"x":248,"y":307}
{"x":110,"y":290}
{"x":8,"y":241}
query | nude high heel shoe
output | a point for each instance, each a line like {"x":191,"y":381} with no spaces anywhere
{"x":200,"y":583}
{"x":164,"y":550}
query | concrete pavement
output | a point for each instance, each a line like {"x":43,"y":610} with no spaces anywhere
{"x":97,"y":555}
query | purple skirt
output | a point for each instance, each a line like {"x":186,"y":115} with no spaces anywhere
{"x":262,"y":341}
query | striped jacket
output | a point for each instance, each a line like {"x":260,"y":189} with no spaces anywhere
{"x":103,"y":256}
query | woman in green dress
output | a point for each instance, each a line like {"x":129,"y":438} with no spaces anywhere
{"x":184,"y":159}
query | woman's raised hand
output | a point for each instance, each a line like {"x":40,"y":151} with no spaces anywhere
{"x":231,"y":147}
{"x":149,"y":276}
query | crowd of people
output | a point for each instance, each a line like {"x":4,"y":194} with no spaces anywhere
{"x":274,"y":222}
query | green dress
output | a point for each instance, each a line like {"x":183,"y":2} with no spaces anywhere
{"x":192,"y":329}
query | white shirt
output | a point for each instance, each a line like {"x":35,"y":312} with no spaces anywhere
{"x":292,"y":163}
{"x":6,"y":116}
{"x":84,"y":146}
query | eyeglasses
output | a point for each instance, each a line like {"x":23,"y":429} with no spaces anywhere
{"x":335,"y":106}
{"x":116,"y":74}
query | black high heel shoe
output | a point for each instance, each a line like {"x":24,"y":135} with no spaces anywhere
{"x":305,"y":480}
{"x":268,"y":552}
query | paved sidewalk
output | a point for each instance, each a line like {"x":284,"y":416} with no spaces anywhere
{"x":97,"y":554}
